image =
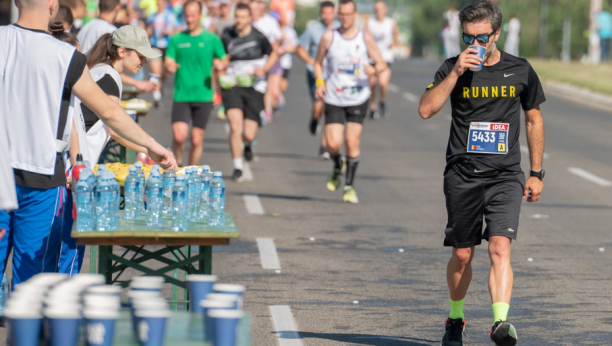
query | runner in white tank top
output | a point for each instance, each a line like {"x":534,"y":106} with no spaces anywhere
{"x":386,"y":34}
{"x":347,"y":52}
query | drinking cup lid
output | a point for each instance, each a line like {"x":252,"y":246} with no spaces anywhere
{"x":229,"y":288}
{"x":225,"y":313}
{"x":201,"y":277}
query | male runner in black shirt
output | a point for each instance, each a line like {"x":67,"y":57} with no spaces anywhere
{"x":483,"y":174}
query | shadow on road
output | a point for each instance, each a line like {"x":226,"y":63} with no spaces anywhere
{"x":363,"y":339}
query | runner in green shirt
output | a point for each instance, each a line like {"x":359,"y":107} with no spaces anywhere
{"x":193,"y":54}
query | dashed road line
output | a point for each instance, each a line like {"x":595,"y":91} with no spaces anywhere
{"x":247,"y":174}
{"x":284,"y":326}
{"x":525,"y":150}
{"x":267,"y":253}
{"x":411,"y":97}
{"x":394,"y":88}
{"x":589,"y":176}
{"x":253,"y":205}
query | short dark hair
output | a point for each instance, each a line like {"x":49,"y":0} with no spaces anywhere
{"x":108,"y":5}
{"x":64,"y":15}
{"x":189,"y":2}
{"x":482,"y":11}
{"x":243,"y":6}
{"x":57,"y":30}
{"x":346,"y":2}
{"x":327,"y":4}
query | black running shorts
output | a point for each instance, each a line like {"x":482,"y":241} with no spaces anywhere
{"x":249,"y":100}
{"x":198,"y":112}
{"x":468,"y":199}
{"x":340,"y":115}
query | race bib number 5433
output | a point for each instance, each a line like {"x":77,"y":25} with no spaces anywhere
{"x":488,"y":138}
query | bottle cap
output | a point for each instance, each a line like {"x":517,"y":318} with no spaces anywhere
{"x":180,"y":177}
{"x":79,"y":157}
{"x":205,"y":168}
{"x":218,"y":174}
{"x":138,"y":164}
{"x":132,"y":169}
{"x":156,"y":167}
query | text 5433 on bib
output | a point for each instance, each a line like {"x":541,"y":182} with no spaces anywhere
{"x":488,"y":138}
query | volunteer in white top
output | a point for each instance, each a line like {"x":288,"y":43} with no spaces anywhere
{"x":268,"y":26}
{"x":289,"y":44}
{"x":385,"y":32}
{"x":107,"y":59}
{"x":347,"y":52}
{"x":94,"y":29}
{"x":39,"y":75}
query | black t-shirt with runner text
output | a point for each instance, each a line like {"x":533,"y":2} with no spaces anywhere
{"x":41,"y":181}
{"x":251,"y":47}
{"x":110,"y":87}
{"x":495,"y":94}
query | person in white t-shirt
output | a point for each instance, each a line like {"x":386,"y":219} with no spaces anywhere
{"x":385,"y":32}
{"x":289,"y":44}
{"x":269,"y":26}
{"x":512,"y":40}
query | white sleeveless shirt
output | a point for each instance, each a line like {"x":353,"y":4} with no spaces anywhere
{"x":347,"y":83}
{"x":383,"y":34}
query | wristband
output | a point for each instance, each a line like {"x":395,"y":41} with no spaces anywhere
{"x":319,"y":82}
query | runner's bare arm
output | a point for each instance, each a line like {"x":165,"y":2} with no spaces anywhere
{"x":221,"y":64}
{"x":303,"y":54}
{"x":324,"y":45}
{"x":142,"y":85}
{"x":272,"y":59}
{"x":74,"y":148}
{"x":117,"y":119}
{"x":171,"y":65}
{"x":534,"y":125}
{"x":374,"y":53}
{"x":121,"y":140}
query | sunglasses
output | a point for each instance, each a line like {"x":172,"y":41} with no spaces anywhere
{"x":482,"y":39}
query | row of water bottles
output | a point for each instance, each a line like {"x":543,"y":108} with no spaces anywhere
{"x":97,"y":200}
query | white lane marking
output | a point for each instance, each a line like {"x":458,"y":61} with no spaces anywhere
{"x":226,"y":126}
{"x":394,"y":88}
{"x":247,"y":174}
{"x":253,"y":205}
{"x":267,"y":254}
{"x":589,"y":176}
{"x":284,"y":326}
{"x":410,"y":97}
{"x":525,"y":150}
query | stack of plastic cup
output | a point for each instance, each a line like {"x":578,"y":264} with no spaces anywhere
{"x":147,"y":283}
{"x":150,"y":312}
{"x":23,"y":314}
{"x":237,"y":290}
{"x":101,"y":306}
{"x":199,"y":287}
{"x":225,"y":324}
{"x":62,"y":312}
{"x":222,"y":313}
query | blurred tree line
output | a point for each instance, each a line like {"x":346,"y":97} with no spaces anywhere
{"x":427,"y":23}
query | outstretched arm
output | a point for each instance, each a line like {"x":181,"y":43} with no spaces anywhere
{"x":534,"y":124}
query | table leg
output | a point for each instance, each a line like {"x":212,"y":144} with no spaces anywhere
{"x":207,"y":265}
{"x":175,"y":274}
{"x":185,"y":291}
{"x":102,"y":261}
{"x":93,"y":259}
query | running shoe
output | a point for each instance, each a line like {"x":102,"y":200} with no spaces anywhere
{"x":373,"y":114}
{"x":268,"y":117}
{"x":453,"y":335}
{"x":333,"y":181}
{"x":503,"y":334}
{"x":280,"y":100}
{"x":350,"y":195}
{"x":237,"y":174}
{"x":248,"y":152}
{"x":221,"y":113}
{"x":157,"y":96}
{"x":382,"y":110}
{"x":314,"y":124}
{"x":323,"y":154}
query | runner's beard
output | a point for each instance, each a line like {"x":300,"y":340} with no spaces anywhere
{"x":490,"y":51}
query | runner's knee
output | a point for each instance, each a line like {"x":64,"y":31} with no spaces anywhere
{"x":499,"y":248}
{"x":463,"y":256}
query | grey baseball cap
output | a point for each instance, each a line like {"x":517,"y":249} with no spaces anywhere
{"x":134,"y":37}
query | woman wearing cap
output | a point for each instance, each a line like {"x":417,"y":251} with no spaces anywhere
{"x":125,"y":50}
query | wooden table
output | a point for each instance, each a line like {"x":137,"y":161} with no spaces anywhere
{"x":133,"y":235}
{"x":182,"y":329}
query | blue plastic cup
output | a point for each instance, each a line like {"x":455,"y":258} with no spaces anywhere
{"x":100,"y":326}
{"x":225,"y":297}
{"x":23,"y":327}
{"x":63,"y":326}
{"x":237,"y":290}
{"x":226,"y":323}
{"x":147,"y":283}
{"x":152,"y":326}
{"x":481,"y":52}
{"x":199,"y":287}
{"x":104,"y":290}
{"x":207,"y":305}
{"x":142,"y":305}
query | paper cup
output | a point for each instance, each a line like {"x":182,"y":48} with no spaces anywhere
{"x":158,"y":304}
{"x":481,"y":51}
{"x":225,"y":297}
{"x":226,"y":323}
{"x":100,"y":327}
{"x":102,"y":302}
{"x":152,"y":327}
{"x":89,"y":279}
{"x":208,"y":305}
{"x":147,"y":283}
{"x":105,"y":290}
{"x":62,"y":326}
{"x":199,"y":287}
{"x":23,"y":327}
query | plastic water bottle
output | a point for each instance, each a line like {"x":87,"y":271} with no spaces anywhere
{"x":206,"y":176}
{"x":141,"y":186}
{"x":131,"y":196}
{"x":180,"y":204}
{"x":155,"y":200}
{"x":4,"y":293}
{"x":217,"y":200}
{"x":191,"y":193}
{"x":197,"y":181}
{"x":169,"y":177}
{"x":114,"y":211}
{"x":104,"y":203}
{"x":84,"y":202}
{"x":156,"y":168}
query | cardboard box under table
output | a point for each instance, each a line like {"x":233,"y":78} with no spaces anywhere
{"x":133,"y":235}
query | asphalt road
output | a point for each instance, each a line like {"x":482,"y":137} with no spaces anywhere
{"x":374,"y":273}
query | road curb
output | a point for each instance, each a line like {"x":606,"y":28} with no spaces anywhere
{"x":577,"y":94}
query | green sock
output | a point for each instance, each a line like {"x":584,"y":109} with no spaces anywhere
{"x":456,"y":310}
{"x":500,"y":311}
